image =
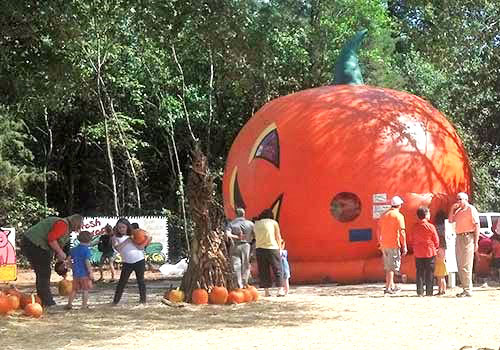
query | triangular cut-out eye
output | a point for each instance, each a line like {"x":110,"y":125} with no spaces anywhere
{"x":276,"y":207}
{"x":238,"y":198}
{"x":269,"y":148}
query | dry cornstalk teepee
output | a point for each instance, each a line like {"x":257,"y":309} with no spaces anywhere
{"x":209,"y":263}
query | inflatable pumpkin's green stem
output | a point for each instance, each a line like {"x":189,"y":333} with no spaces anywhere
{"x":347,"y":68}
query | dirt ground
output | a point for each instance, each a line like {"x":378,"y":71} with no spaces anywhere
{"x":310,"y":317}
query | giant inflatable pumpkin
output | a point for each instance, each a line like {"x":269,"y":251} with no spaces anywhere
{"x":328,"y":160}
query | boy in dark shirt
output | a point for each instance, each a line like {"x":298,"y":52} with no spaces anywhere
{"x":108,"y":253}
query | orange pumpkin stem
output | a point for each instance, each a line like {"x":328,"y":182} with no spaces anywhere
{"x":347,"y":69}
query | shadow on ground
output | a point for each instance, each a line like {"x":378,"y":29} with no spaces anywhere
{"x":59,"y":328}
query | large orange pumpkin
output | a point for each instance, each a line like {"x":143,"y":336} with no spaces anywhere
{"x":218,"y":295}
{"x":199,"y":296}
{"x":327,"y":162}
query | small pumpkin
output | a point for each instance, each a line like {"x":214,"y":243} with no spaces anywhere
{"x":199,"y":296}
{"x":14,"y":301}
{"x":26,"y":299}
{"x":175,"y":295}
{"x":254,"y":292}
{"x":65,"y":287}
{"x":4,"y":305}
{"x":248,"y":297}
{"x":139,"y":236}
{"x":218,"y":295}
{"x":235,"y":297}
{"x":33,"y":309}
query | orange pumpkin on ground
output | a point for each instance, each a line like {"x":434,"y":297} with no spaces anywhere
{"x":65,"y":287}
{"x":33,"y":309}
{"x":254,"y":292}
{"x":14,"y":301}
{"x":4,"y":305}
{"x":248,"y":297}
{"x":218,"y":295}
{"x":174,"y":295}
{"x":235,"y":297}
{"x":139,"y":236}
{"x":199,"y":296}
{"x":26,"y":299}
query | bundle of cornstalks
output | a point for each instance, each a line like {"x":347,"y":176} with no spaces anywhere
{"x":209,"y":263}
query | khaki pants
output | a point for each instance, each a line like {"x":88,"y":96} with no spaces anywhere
{"x":464,"y":251}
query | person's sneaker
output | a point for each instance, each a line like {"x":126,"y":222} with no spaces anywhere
{"x":388,"y":291}
{"x":464,"y":294}
{"x":396,"y":289}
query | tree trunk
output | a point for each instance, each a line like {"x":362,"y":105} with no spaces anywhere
{"x":47,"y":160}
{"x":124,"y":144}
{"x":209,"y":263}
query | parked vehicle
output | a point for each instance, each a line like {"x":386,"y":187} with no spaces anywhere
{"x":487,"y":221}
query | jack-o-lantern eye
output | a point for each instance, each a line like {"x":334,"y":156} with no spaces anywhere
{"x":267,"y":146}
{"x":235,"y":193}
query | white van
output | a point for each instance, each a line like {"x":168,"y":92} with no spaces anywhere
{"x":486,"y":223}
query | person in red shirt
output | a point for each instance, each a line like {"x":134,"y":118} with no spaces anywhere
{"x":425,"y":242}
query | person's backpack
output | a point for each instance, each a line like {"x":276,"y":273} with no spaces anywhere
{"x":104,"y":244}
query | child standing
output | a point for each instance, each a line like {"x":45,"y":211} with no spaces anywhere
{"x":82,"y":270}
{"x":285,"y":269}
{"x":132,"y":257}
{"x":425,"y":242}
{"x":495,"y":252}
{"x":108,"y":253}
{"x":440,"y":271}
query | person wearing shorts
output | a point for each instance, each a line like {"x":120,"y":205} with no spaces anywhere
{"x":392,"y":242}
{"x":82,"y":270}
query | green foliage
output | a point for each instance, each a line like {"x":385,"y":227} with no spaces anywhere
{"x":450,"y":55}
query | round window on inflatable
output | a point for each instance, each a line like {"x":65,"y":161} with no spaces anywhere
{"x":327,"y":162}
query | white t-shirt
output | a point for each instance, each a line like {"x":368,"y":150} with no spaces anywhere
{"x":129,"y":252}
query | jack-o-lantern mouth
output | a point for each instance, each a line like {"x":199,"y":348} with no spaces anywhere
{"x":237,"y":200}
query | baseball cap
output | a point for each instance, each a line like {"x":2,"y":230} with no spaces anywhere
{"x":396,"y":200}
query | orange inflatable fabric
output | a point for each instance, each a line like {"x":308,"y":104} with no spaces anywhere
{"x":328,"y":160}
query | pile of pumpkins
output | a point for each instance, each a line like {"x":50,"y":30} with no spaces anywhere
{"x":12,"y":300}
{"x":216,"y":295}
